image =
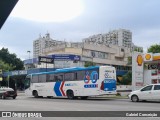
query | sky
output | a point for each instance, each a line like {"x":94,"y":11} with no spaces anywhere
{"x":73,"y":20}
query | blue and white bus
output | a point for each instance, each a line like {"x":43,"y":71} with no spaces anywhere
{"x":72,"y":82}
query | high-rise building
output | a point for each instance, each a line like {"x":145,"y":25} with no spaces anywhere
{"x":120,"y":37}
{"x":113,"y":48}
{"x":42,"y":43}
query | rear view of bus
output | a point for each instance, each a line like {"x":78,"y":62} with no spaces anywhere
{"x":108,"y":76}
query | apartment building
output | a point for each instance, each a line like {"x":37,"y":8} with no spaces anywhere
{"x":113,"y":48}
{"x":120,"y":37}
{"x":42,"y":43}
{"x":98,"y":54}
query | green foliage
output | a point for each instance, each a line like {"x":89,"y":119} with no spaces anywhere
{"x":127,"y":78}
{"x":88,"y":63}
{"x":4,"y":66}
{"x":154,"y":49}
{"x":129,"y":60}
{"x":10,"y":60}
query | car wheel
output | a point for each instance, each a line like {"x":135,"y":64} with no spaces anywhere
{"x":3,"y":97}
{"x":14,"y":97}
{"x":134,"y":98}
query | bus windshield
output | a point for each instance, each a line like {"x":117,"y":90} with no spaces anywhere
{"x":27,"y":82}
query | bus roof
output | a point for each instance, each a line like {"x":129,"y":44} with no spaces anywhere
{"x":66,"y":70}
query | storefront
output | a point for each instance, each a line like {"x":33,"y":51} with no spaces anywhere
{"x":16,"y":79}
{"x":145,"y":69}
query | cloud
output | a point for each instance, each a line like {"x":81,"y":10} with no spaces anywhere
{"x":139,"y":16}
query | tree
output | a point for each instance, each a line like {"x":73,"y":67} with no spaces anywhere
{"x":154,"y":48}
{"x":88,"y":63}
{"x":129,"y":60}
{"x":11,"y":59}
{"x":4,"y":66}
{"x":127,"y":78}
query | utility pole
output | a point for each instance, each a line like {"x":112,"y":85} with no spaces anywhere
{"x":29,"y":53}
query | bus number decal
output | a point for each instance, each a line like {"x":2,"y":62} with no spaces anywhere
{"x":93,"y":77}
{"x":87,"y":77}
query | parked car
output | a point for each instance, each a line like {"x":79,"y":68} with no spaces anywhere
{"x":7,"y":92}
{"x":149,"y":92}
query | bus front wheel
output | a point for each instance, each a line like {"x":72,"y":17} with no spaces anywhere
{"x":70,"y":94}
{"x":35,"y":94}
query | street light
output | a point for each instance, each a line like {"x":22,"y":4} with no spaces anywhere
{"x":29,"y":53}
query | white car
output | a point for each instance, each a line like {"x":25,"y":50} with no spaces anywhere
{"x":149,"y":92}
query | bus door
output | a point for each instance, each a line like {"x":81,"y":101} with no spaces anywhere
{"x":27,"y":85}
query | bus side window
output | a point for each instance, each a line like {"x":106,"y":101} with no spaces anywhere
{"x":80,"y":75}
{"x":69,"y":77}
{"x":42,"y":78}
{"x":34,"y":79}
{"x":75,"y":74}
{"x":50,"y":78}
{"x":58,"y":77}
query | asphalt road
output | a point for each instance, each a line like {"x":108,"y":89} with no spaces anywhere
{"x":24,"y":103}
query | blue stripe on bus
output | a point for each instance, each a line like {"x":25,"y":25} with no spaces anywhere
{"x":67,"y":70}
{"x":57,"y":88}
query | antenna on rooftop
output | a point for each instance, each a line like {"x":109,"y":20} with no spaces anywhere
{"x":40,"y":35}
{"x":47,"y":34}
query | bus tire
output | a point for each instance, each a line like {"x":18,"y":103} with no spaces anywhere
{"x":35,"y":93}
{"x":70,"y":94}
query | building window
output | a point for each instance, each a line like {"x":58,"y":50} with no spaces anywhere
{"x":93,"y":54}
{"x":122,"y":50}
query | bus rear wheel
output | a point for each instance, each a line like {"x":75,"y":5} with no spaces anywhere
{"x":70,"y":94}
{"x":35,"y":94}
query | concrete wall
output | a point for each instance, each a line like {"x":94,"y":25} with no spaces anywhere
{"x":77,"y":51}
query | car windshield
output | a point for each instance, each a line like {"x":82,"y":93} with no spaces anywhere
{"x":147,"y":88}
